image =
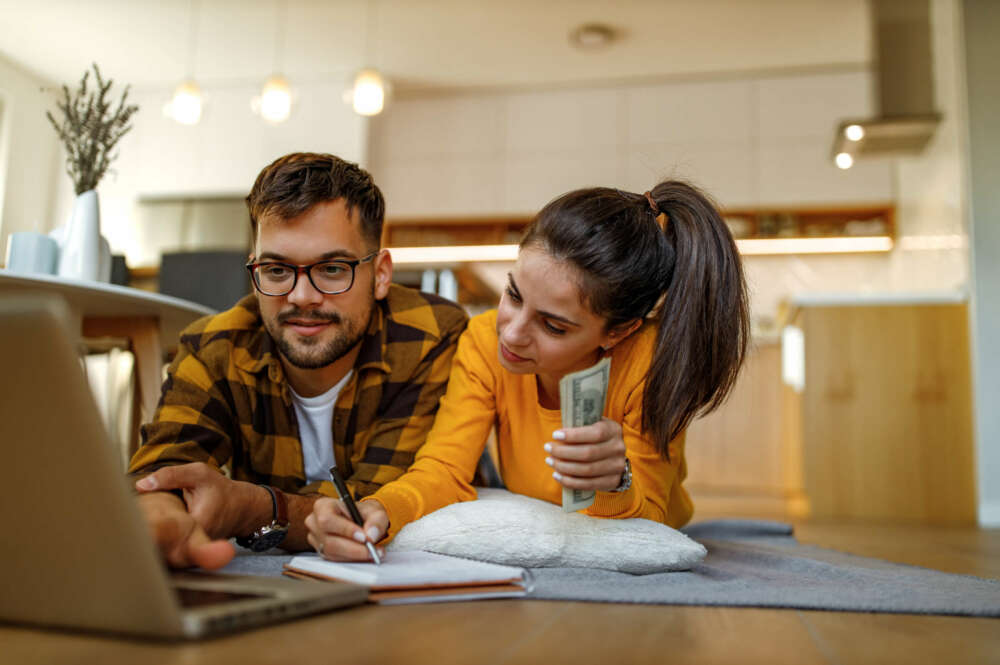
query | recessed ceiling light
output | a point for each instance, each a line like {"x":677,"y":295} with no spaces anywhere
{"x":592,"y":36}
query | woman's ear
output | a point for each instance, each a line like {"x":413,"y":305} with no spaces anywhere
{"x":620,"y":332}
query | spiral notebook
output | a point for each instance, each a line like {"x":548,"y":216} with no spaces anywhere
{"x":418,"y":577}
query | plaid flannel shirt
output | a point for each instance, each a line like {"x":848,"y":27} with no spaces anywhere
{"x":226,"y":402}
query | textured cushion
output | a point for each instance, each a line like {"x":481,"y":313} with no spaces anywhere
{"x":506,"y":528}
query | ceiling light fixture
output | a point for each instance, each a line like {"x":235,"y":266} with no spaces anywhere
{"x":369,"y":91}
{"x":368,"y":94}
{"x":906,"y":117}
{"x":844,"y":160}
{"x":186,"y":105}
{"x":275,"y":101}
{"x":592,"y":36}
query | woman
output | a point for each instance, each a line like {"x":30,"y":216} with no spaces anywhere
{"x":654,"y":281}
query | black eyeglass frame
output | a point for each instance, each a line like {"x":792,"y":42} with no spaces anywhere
{"x":307,"y":269}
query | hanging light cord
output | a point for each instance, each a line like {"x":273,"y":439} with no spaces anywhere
{"x":280,"y":24}
{"x":193,"y":11}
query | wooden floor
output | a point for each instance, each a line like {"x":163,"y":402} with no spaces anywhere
{"x":499,"y":632}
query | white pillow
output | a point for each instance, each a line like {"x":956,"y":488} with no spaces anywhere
{"x":516,"y":530}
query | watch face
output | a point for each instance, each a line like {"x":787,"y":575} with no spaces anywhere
{"x":267,"y":537}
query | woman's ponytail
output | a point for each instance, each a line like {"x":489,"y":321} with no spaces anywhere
{"x":628,"y":263}
{"x":704,"y":327}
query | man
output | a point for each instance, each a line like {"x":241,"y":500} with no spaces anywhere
{"x":326,"y":363}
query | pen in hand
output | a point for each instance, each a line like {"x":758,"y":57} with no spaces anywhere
{"x":352,"y":508}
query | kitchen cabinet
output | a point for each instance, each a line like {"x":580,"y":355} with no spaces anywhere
{"x":884,"y":417}
{"x":741,"y":458}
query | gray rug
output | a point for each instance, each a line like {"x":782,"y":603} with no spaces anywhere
{"x":754,"y":564}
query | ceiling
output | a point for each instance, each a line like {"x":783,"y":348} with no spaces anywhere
{"x":426,"y":44}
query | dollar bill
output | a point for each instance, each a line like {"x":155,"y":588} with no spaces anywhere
{"x":582,"y":395}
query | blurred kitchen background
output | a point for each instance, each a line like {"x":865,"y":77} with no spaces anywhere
{"x":848,"y":142}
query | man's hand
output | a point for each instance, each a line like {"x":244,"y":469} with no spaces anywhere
{"x":181,"y":541}
{"x":223,"y":508}
{"x":335,"y":536}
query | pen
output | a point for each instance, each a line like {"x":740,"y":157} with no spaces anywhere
{"x":352,"y":508}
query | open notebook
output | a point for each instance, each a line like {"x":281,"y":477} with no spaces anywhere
{"x":418,"y":577}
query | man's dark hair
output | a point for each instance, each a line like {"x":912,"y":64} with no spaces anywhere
{"x":293,"y":184}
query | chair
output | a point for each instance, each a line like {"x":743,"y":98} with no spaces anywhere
{"x":215,"y":278}
{"x":119,"y":270}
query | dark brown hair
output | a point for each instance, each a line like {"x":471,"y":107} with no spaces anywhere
{"x":627,"y":262}
{"x":293,"y":184}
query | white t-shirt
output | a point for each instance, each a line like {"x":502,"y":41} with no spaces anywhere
{"x":315,"y":415}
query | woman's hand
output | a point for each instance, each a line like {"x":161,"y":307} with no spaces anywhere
{"x":335,"y":536}
{"x":588,"y":458}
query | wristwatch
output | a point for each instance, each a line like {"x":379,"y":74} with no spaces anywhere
{"x":269,"y":535}
{"x":626,"y":478}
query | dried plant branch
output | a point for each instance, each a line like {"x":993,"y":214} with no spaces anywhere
{"x":90,"y":129}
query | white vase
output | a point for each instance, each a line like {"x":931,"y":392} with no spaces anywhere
{"x":80,"y":254}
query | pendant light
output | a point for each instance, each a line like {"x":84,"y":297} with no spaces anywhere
{"x":275,"y":101}
{"x":186,"y":104}
{"x":368,"y":94}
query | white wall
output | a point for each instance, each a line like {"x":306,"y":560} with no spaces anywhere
{"x":29,"y":155}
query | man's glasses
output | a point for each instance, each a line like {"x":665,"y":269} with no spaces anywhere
{"x":273,"y":278}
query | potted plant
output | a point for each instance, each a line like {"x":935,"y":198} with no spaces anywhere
{"x":90,"y":128}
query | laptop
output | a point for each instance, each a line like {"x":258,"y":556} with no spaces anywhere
{"x":75,"y":551}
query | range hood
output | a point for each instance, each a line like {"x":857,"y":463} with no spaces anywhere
{"x":904,"y":82}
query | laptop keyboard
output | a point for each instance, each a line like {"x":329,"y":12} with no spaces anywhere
{"x":201,"y":597}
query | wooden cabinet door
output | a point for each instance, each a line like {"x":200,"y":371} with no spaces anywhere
{"x":738,"y":458}
{"x":886,"y":413}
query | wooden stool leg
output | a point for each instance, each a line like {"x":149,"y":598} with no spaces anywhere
{"x":148,"y":352}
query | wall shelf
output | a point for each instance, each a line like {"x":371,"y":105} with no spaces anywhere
{"x":812,"y":222}
{"x":765,"y":230}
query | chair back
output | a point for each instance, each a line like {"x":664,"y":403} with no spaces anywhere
{"x":214,"y":278}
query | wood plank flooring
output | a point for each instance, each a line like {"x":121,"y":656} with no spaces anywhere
{"x":507,"y":632}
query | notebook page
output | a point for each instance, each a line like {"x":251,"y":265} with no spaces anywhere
{"x":408,"y":570}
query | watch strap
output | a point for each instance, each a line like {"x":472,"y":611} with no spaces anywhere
{"x":280,"y":503}
{"x":272,"y":533}
{"x":626,"y":481}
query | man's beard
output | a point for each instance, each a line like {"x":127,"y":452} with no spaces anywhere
{"x":310,"y":352}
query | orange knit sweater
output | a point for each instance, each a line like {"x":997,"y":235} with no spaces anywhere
{"x":481,"y":393}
